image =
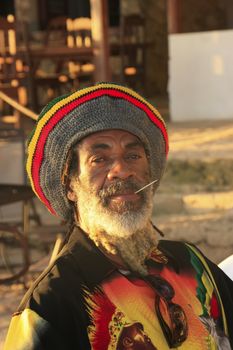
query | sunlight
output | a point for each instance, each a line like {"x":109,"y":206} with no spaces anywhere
{"x":218,"y":66}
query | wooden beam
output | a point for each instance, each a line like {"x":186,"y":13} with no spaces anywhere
{"x":99,"y":20}
{"x":229,"y":14}
{"x":173,"y":16}
{"x":17,"y":106}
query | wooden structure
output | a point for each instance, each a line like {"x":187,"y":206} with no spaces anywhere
{"x":69,"y":54}
{"x":100,"y":39}
{"x":173,"y":14}
{"x":133,"y":47}
{"x":13,"y":64}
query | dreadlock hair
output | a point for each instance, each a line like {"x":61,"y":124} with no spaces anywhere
{"x":70,"y":169}
{"x":70,"y":166}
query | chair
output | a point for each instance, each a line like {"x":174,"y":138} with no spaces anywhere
{"x":133,"y":51}
{"x":81,"y":31}
{"x":56,"y":32}
{"x":51,"y":75}
{"x":13,"y":65}
{"x":63,"y":74}
{"x":79,"y":35}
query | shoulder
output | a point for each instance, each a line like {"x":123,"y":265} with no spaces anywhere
{"x":177,"y":251}
{"x":186,"y":254}
{"x":54,"y":291}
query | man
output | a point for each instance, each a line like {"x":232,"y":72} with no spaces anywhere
{"x":134,"y":337}
{"x":114,"y":285}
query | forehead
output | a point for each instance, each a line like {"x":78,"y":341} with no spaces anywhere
{"x":133,"y":329}
{"x":111,"y":137}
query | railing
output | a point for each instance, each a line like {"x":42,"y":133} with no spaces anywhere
{"x":24,"y":110}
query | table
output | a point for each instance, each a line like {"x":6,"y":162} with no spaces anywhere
{"x":58,"y":54}
{"x":61,"y":52}
{"x":11,"y":193}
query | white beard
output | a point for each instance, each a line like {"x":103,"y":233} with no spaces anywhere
{"x":125,"y":231}
{"x":93,"y":216}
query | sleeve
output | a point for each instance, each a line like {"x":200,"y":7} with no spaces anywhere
{"x":30,"y":331}
{"x":225,"y":287}
{"x":52,"y":314}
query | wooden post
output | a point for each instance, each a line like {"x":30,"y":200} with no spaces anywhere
{"x":99,"y":29}
{"x":173,"y":16}
{"x":229,"y":14}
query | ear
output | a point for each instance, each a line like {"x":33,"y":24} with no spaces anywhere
{"x":127,"y":342}
{"x":71,"y":195}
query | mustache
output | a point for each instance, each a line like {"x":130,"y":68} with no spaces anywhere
{"x":119,"y":187}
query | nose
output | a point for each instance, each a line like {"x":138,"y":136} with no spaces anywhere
{"x":120,"y":170}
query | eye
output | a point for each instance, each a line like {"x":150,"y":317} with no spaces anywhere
{"x":97,"y":160}
{"x":133,"y":156}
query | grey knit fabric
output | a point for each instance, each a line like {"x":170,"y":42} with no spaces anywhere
{"x":100,"y":114}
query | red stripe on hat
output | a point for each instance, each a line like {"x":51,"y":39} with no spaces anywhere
{"x":147,"y":110}
{"x":62,"y":112}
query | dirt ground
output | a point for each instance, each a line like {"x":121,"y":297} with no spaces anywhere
{"x":194,"y":201}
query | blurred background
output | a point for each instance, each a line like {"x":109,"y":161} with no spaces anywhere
{"x":177,"y":53}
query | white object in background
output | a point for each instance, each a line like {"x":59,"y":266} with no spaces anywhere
{"x":201,"y":75}
{"x":227,"y":266}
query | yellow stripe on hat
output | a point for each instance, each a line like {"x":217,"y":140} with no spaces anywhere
{"x":49,"y":114}
{"x":43,"y":121}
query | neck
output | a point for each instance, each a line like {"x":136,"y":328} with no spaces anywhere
{"x":115,"y":259}
{"x":127,"y":252}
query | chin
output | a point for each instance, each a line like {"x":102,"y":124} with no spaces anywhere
{"x":123,"y":235}
{"x":124,"y":208}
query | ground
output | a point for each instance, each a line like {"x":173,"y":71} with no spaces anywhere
{"x":194,"y":201}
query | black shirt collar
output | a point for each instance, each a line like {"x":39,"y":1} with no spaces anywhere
{"x":93,"y":265}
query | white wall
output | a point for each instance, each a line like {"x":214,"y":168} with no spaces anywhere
{"x":201,"y":75}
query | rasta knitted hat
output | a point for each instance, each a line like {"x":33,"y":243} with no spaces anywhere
{"x":70,"y":118}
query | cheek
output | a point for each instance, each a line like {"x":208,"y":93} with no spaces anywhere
{"x":94,"y":181}
{"x":144,"y":172}
{"x":145,"y":167}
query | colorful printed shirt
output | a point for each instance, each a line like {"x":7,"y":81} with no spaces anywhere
{"x":84,"y":302}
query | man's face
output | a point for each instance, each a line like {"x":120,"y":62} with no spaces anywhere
{"x":110,"y":156}
{"x":112,"y":166}
{"x":133,"y":337}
